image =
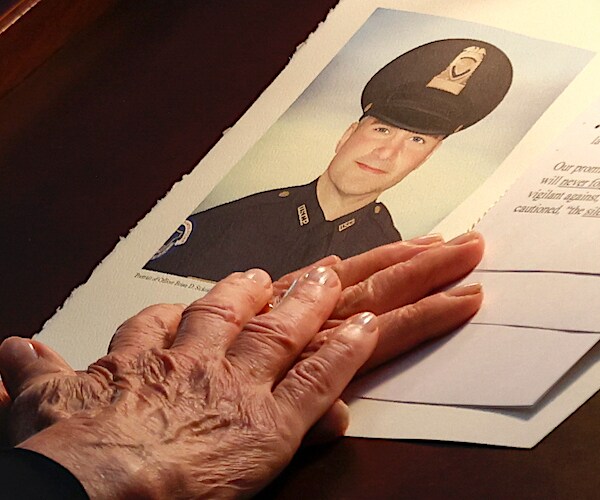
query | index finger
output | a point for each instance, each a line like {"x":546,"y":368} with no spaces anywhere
{"x":212,"y":322}
{"x":154,"y":326}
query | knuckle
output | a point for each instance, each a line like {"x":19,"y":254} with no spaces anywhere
{"x":315,"y":344}
{"x":142,"y":317}
{"x":160,"y":316}
{"x":340,"y":349}
{"x":410,"y":314}
{"x":157,"y":366}
{"x":274,"y":329}
{"x":156,"y":371}
{"x":154,"y":320}
{"x":221,"y":310}
{"x":110,"y":364}
{"x":370,"y":288}
{"x":352,"y":297}
{"x":160,"y":309}
{"x":418,"y":272}
{"x":133,"y":323}
{"x":314,"y":374}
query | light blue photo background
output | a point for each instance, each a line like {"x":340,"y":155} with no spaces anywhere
{"x":298,"y":147}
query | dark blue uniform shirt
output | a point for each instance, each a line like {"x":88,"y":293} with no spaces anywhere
{"x":279,"y":231}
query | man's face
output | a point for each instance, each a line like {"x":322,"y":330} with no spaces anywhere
{"x":373,"y":156}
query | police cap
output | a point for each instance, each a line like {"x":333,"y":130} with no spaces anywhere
{"x":439,"y":88}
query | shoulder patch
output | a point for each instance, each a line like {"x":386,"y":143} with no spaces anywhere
{"x":179,"y":237}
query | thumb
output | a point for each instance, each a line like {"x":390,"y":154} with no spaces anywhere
{"x":24,"y":362}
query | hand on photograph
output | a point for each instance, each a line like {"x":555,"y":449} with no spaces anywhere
{"x":232,"y":389}
{"x":211,"y":401}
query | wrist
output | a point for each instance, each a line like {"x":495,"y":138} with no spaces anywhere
{"x":106,"y":466}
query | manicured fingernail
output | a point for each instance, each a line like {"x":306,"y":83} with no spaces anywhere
{"x":366,"y":320}
{"x":259,"y":276}
{"x":328,"y":261}
{"x":320,"y":275}
{"x":358,"y":326}
{"x":464,"y":290}
{"x":427,"y":239}
{"x":464,"y":238}
{"x":19,"y":349}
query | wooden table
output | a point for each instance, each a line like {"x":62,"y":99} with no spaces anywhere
{"x":93,"y":137}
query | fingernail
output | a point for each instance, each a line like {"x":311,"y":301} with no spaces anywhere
{"x":19,"y":349}
{"x":258,"y":276}
{"x":320,"y":275}
{"x":365,"y":320}
{"x":464,"y":238}
{"x":464,"y":290}
{"x":328,"y":261}
{"x":358,"y":326}
{"x":427,"y":239}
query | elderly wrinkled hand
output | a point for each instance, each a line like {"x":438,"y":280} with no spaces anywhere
{"x":215,"y":404}
{"x":220,"y":377}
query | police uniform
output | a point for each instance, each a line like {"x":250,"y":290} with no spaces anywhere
{"x":279,"y":231}
{"x":436,"y":89}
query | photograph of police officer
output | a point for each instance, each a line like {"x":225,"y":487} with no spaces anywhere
{"x":409,"y":108}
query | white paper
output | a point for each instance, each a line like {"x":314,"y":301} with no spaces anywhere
{"x":550,"y":219}
{"x":480,"y":365}
{"x":563,"y":302}
{"x":521,"y":428}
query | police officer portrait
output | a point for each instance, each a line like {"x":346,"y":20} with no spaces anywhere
{"x":405,"y":113}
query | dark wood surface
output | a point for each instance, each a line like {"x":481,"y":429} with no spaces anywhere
{"x":94,"y":136}
{"x":32,"y":30}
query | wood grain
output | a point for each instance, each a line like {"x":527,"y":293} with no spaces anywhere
{"x":32,"y":30}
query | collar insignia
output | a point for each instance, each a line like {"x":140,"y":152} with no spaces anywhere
{"x":346,"y":225}
{"x":303,"y":215}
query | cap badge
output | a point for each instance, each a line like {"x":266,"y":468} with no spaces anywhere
{"x":303,"y":215}
{"x":455,"y":77}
